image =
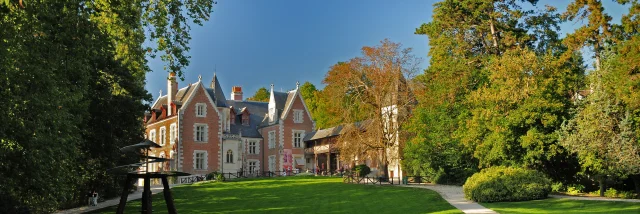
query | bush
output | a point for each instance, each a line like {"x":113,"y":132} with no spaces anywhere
{"x":575,"y":189}
{"x":627,"y":194}
{"x":212,"y":175}
{"x":506,"y":184}
{"x":558,"y":187}
{"x":220,"y":177}
{"x":362,"y":170}
{"x":611,"y":193}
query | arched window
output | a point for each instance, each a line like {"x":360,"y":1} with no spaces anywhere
{"x":229,"y":156}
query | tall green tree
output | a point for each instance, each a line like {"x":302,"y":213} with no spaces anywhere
{"x":261,"y":95}
{"x":73,"y":88}
{"x":495,"y":91}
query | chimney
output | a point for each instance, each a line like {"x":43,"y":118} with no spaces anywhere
{"x":236,"y":93}
{"x":172,"y":87}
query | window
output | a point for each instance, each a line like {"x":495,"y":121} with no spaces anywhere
{"x":272,"y":139}
{"x":253,"y":166}
{"x":229,"y":156}
{"x":172,"y":133}
{"x":201,"y":110}
{"x":297,"y":116}
{"x":152,"y":135}
{"x":297,"y":138}
{"x":272,"y":163}
{"x":163,"y":136}
{"x":200,"y":160}
{"x":245,"y":118}
{"x":253,"y":147}
{"x":308,"y":160}
{"x":200,"y":132}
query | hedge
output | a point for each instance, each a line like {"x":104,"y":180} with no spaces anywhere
{"x":506,"y":184}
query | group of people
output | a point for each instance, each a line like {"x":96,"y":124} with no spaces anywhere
{"x":92,"y":198}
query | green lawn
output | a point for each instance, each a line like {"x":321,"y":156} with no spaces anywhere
{"x":297,"y":195}
{"x":564,"y":206}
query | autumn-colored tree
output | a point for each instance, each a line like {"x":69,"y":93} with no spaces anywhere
{"x":373,"y":94}
{"x":261,"y":95}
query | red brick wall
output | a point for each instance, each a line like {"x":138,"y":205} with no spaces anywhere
{"x":157,"y":125}
{"x":290,"y":125}
{"x":212,"y":146}
{"x":265,"y":146}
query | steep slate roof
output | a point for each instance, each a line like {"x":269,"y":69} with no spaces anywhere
{"x":281,"y":99}
{"x":257,"y":112}
{"x":287,"y":104}
{"x":216,"y":93}
{"x":181,"y":96}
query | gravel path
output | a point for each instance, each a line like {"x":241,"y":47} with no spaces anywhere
{"x":111,"y":202}
{"x":455,"y":196}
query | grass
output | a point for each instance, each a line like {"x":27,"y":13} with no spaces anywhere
{"x":564,"y":206}
{"x":296,"y":195}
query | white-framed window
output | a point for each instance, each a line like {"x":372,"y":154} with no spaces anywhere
{"x":253,"y":147}
{"x":298,"y":136}
{"x":173,"y":133}
{"x":253,"y":166}
{"x":272,"y":139}
{"x":200,"y":159}
{"x":229,"y":156}
{"x":298,"y":116}
{"x":201,"y":109}
{"x":272,"y":163}
{"x":152,"y":135}
{"x":163,"y":136}
{"x":200,"y":132}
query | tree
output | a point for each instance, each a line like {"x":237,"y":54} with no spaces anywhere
{"x":487,"y":76}
{"x":73,"y":88}
{"x":603,"y":121}
{"x":261,"y":95}
{"x":374,"y":95}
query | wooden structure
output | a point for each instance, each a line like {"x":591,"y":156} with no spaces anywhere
{"x":147,"y":207}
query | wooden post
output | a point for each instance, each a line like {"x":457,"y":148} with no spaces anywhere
{"x":125,"y":194}
{"x":167,"y":196}
{"x":146,"y":196}
{"x":315,"y":162}
{"x":329,"y":161}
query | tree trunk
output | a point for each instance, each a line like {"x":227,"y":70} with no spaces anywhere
{"x":602,"y":185}
{"x":636,"y":182}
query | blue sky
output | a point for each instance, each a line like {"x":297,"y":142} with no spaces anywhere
{"x":256,"y":43}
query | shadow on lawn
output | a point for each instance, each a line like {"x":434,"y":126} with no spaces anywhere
{"x":298,"y":195}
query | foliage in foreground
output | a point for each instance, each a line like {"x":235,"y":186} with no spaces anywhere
{"x":506,"y":184}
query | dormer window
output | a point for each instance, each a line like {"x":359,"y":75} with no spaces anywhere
{"x":201,"y":110}
{"x":245,"y":120}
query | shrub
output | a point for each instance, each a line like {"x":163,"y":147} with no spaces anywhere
{"x":220,"y":177}
{"x":627,"y":194}
{"x":558,"y":187}
{"x":212,"y":175}
{"x":575,"y":189}
{"x":362,"y":170}
{"x":611,"y":193}
{"x":506,"y":184}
